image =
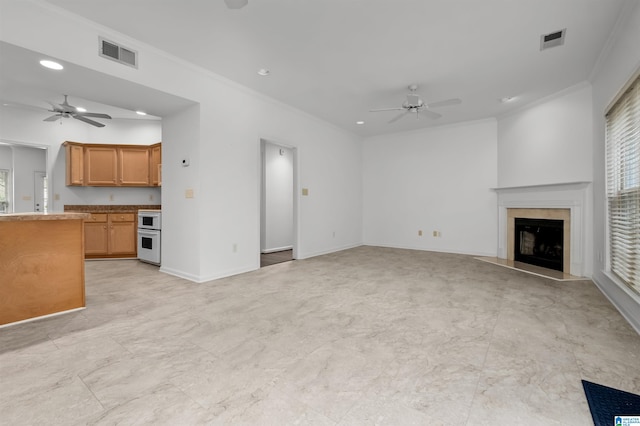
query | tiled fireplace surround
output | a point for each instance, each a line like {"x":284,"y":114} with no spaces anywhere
{"x":552,"y":201}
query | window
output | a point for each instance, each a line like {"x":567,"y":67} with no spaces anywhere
{"x":623,"y":186}
{"x":4,"y":191}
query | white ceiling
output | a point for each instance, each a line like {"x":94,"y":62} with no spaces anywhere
{"x":337,"y":59}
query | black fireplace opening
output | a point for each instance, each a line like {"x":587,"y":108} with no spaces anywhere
{"x":539,"y":242}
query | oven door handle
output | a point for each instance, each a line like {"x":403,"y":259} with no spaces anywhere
{"x":146,"y":233}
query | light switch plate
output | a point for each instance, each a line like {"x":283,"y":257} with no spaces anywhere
{"x":305,"y":191}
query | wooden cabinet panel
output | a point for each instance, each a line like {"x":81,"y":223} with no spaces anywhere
{"x":156,"y":163}
{"x":75,"y":164}
{"x":111,"y":235}
{"x":122,"y":238}
{"x":133,"y":166}
{"x":96,"y":238}
{"x":42,"y":268}
{"x":101,"y":165}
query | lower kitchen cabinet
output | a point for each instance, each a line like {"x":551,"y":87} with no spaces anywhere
{"x":110,"y":235}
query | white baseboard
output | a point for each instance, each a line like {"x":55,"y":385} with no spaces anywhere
{"x":623,"y":299}
{"x":277,"y":249}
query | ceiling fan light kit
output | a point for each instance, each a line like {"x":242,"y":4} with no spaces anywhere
{"x":414,"y":103}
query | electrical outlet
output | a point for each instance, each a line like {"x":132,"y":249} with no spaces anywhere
{"x":435,"y":233}
{"x":188,"y":193}
{"x":235,"y":247}
{"x":420,"y":233}
{"x":439,"y":234}
{"x":111,"y":197}
{"x":150,"y":197}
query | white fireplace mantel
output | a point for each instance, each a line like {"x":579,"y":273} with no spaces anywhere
{"x":571,"y":195}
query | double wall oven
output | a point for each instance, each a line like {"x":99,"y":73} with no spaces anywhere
{"x":149,"y":236}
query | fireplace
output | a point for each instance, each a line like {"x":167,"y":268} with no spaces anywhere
{"x":540,"y":237}
{"x":566,"y":202}
{"x":539,"y":242}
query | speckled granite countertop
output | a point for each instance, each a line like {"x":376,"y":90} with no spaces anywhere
{"x":109,"y":208}
{"x":17,"y":217}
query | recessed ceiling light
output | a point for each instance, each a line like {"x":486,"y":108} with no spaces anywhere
{"x":51,"y":65}
{"x":264,"y":72}
{"x":507,"y":99}
{"x":80,"y":109}
{"x":359,"y":122}
{"x":141,"y":113}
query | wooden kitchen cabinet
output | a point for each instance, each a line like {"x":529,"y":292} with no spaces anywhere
{"x":96,"y":234}
{"x":101,"y":165}
{"x":133,"y":166}
{"x":111,"y":235}
{"x":155,"y":164}
{"x":75,"y":164}
{"x":112,"y":165}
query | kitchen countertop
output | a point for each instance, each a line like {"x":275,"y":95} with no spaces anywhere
{"x":109,"y":208}
{"x":15,"y":217}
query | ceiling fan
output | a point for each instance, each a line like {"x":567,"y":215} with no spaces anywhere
{"x":414,"y":103}
{"x":65,"y":110}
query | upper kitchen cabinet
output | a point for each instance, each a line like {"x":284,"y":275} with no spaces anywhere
{"x":101,"y":165}
{"x":155,"y":167}
{"x":133,"y":162}
{"x":112,"y":165}
{"x":75,"y":163}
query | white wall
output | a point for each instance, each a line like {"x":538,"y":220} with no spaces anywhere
{"x":437,"y":179}
{"x":617,"y":66}
{"x":216,"y":233}
{"x":548,"y":142}
{"x":277,"y":206}
{"x":26,"y":127}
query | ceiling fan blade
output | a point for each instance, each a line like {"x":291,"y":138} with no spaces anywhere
{"x":24,"y":106}
{"x":386,"y":109}
{"x":53,"y":118}
{"x":88,"y":121}
{"x":431,"y":114}
{"x":93,"y":114}
{"x":399,"y":116}
{"x":447,"y":102}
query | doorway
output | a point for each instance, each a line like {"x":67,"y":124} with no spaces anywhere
{"x":277,"y":230}
{"x":41,"y":192}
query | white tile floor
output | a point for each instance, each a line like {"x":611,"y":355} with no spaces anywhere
{"x":364,"y":336}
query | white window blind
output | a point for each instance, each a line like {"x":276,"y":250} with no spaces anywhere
{"x":623,"y":186}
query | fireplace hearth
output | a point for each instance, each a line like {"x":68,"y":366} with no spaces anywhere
{"x":539,"y":242}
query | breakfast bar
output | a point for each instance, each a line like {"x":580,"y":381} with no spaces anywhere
{"x":41,"y":265}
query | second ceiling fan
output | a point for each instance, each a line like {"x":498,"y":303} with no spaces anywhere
{"x":415,"y":104}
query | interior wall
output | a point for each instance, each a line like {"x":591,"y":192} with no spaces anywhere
{"x":435,"y":180}
{"x":224,"y":238}
{"x":618,"y":64}
{"x":548,"y":142}
{"x":26,"y":126}
{"x":181,"y":219}
{"x":277,"y":209}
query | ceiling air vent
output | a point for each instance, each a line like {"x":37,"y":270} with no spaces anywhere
{"x":118,"y":53}
{"x":553,"y":39}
